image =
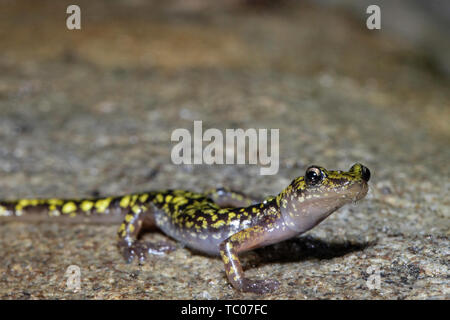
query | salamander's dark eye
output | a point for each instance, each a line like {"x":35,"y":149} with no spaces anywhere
{"x":313,"y":176}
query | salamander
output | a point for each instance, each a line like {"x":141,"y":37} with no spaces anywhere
{"x":220,"y":222}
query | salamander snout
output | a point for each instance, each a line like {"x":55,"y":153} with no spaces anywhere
{"x":360,"y":171}
{"x":365,"y":173}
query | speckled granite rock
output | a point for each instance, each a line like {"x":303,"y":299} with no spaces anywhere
{"x":91,"y":112}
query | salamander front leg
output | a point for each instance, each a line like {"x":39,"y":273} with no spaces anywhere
{"x":230,"y":248}
{"x":226,"y":198}
{"x":128,"y":233}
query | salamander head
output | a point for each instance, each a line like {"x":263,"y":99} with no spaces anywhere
{"x":310,"y":199}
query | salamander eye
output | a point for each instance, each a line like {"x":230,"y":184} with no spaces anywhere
{"x":313,"y":176}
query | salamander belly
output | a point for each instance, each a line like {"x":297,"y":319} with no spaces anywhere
{"x":206,"y":242}
{"x":204,"y":237}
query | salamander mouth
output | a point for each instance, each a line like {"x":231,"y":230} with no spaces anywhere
{"x":362,"y":193}
{"x":355,"y":192}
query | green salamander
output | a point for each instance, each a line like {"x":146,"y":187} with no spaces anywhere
{"x":219,"y":222}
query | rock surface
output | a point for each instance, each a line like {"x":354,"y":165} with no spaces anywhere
{"x":91,"y":112}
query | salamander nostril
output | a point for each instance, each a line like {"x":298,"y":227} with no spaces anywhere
{"x":365,"y":173}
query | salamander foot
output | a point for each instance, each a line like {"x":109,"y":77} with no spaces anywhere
{"x":141,"y":249}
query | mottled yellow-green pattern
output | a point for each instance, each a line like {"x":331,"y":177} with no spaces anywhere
{"x":220,"y":221}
